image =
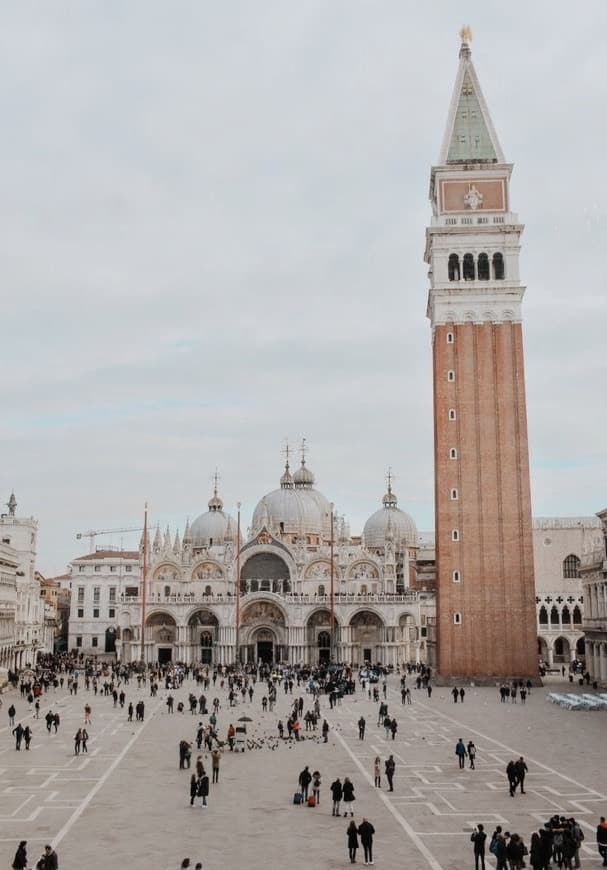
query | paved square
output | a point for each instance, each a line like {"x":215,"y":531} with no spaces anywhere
{"x":126,"y":803}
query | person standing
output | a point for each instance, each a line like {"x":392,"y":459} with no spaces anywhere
{"x":87,"y":714}
{"x":216,"y":760}
{"x":11,"y":715}
{"x":601,"y":839}
{"x":77,"y":741}
{"x":366,"y":831}
{"x":515,"y":852}
{"x":316,"y":786}
{"x":27,"y":736}
{"x":130,"y":712}
{"x":511,"y":774}
{"x":193,"y":789}
{"x":305,"y":778}
{"x":377,"y":771}
{"x":478,"y":838}
{"x":361,"y":728}
{"x":203,"y":790}
{"x":352,"y":835}
{"x":85,"y":739}
{"x":460,"y":751}
{"x":390,"y":767}
{"x":20,"y":859}
{"x":471,"y":749}
{"x":336,"y":793}
{"x":393,"y":727}
{"x":455,"y":694}
{"x":325,"y":731}
{"x":49,"y":860}
{"x":348,"y":797}
{"x":462,"y":695}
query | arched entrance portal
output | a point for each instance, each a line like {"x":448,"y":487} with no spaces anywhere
{"x":263,"y":633}
{"x":203,"y":627}
{"x":265,"y":572}
{"x":160,"y":637}
{"x":318,"y":630}
{"x":367,"y":637}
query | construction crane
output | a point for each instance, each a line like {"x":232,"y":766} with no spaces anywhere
{"x":91,"y":534}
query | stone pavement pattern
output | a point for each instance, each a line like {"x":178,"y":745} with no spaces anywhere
{"x":127,"y":803}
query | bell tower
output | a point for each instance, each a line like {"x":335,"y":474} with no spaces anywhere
{"x":486,"y":624}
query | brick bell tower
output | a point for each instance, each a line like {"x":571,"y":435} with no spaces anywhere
{"x":486,"y":624}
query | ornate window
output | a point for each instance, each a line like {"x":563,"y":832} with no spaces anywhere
{"x":498,"y":267}
{"x":571,"y":567}
{"x":468,"y":270}
{"x":206,"y":639}
{"x":483,"y":267}
{"x":543,"y":616}
{"x":554,"y":616}
{"x":207,"y":590}
{"x":321,"y":590}
{"x":566,"y":616}
{"x":453,"y":267}
{"x":577,"y":616}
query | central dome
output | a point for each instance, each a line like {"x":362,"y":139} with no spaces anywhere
{"x":296,"y":508}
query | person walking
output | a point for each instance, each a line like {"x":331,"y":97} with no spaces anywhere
{"x":601,"y":839}
{"x":18,"y":735}
{"x":390,"y":767}
{"x":460,"y":751}
{"x":497,"y":847}
{"x":365,"y":832}
{"x":193,"y":789}
{"x":455,"y":694}
{"x":478,"y":838}
{"x":27,"y":736}
{"x":202,"y":790}
{"x":536,"y":853}
{"x":337,"y":794}
{"x":348,"y":797}
{"x":325,"y":731}
{"x":393,"y":727}
{"x":87,"y":714}
{"x":352,"y":837}
{"x":511,"y":774}
{"x":462,"y":695}
{"x":361,"y":728}
{"x":471,"y":749}
{"x":130,"y":711}
{"x":521,"y":769}
{"x":377,"y":772}
{"x":20,"y":859}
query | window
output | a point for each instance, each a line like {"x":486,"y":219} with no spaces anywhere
{"x":321,"y":590}
{"x":111,"y":613}
{"x":457,"y":618}
{"x":81,"y":568}
{"x":571,"y":567}
{"x":81,"y":613}
{"x":451,"y":375}
{"x":450,"y":338}
{"x":98,"y":568}
{"x":113,"y":569}
{"x":112,"y":594}
{"x":128,"y":568}
{"x":498,"y":267}
{"x":455,"y":535}
{"x":95,"y":641}
{"x":454,"y":495}
{"x":207,"y":590}
{"x":452,"y":413}
{"x":483,"y":267}
{"x":131,"y":591}
{"x":363,"y":589}
{"x":96,"y":594}
{"x":468,"y":269}
{"x":566,"y":616}
{"x":543,"y":616}
{"x":167,"y":591}
{"x":554,"y":616}
{"x":81,"y":595}
{"x":95,"y":613}
{"x":577,"y":616}
{"x":79,"y":641}
{"x":457,"y":577}
{"x":453,"y":267}
{"x":453,"y":453}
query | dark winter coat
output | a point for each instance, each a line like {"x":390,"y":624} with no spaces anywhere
{"x":366,"y":831}
{"x":348,"y":791}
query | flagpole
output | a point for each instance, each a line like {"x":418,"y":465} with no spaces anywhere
{"x":144,"y":580}
{"x":237,"y":655}
{"x":332,"y":589}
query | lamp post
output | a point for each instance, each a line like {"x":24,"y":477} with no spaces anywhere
{"x":237,"y":655}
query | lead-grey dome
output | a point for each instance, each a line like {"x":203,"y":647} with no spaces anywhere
{"x":296,"y":508}
{"x":389,"y":520}
{"x":213,"y":527}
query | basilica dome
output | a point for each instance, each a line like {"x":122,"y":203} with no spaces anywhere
{"x":388,"y":521}
{"x":214,"y":527}
{"x":296,"y":508}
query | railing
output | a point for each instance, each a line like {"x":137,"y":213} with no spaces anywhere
{"x":288,"y":597}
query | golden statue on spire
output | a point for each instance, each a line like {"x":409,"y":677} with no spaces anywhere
{"x":465,"y":34}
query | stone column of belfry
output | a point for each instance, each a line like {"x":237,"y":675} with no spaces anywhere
{"x":486,"y":621}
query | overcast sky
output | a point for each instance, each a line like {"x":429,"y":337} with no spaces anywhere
{"x":212,"y":233}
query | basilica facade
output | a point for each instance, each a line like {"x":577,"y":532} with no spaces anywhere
{"x":213,"y":597}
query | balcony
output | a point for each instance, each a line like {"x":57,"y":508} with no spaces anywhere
{"x":189,"y":598}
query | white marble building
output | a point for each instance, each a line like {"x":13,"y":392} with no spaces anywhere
{"x":558,"y":544}
{"x":9,"y":565}
{"x":20,"y":533}
{"x":382,"y":611}
{"x":594,"y":579}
